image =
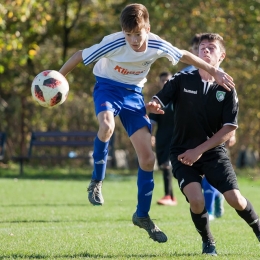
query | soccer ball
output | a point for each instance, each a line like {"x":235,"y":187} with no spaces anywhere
{"x":50,"y":88}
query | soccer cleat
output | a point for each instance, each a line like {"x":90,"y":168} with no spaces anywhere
{"x":219,"y":206}
{"x":146,"y":223}
{"x":167,"y":201}
{"x":94,"y":193}
{"x":258,"y":237}
{"x":209,"y":248}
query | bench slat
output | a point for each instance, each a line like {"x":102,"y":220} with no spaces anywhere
{"x":64,"y":134}
{"x":57,"y":139}
{"x":62,"y":143}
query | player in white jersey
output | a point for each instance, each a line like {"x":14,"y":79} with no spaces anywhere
{"x":123,"y":62}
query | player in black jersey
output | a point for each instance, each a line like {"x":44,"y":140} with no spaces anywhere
{"x":205,"y":118}
{"x":214,"y":200}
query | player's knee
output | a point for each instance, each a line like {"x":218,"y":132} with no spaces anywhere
{"x":106,"y":130}
{"x":235,"y":200}
{"x":196,"y":205}
{"x":147,"y":162}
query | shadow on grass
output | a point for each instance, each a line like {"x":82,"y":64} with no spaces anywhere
{"x":43,"y":205}
{"x":43,"y":221}
{"x":46,"y":176}
{"x":62,"y":173}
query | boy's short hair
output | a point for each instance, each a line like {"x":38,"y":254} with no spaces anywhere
{"x":164,"y":74}
{"x":213,"y":37}
{"x":134,"y":17}
{"x":194,"y":44}
{"x":195,"y":39}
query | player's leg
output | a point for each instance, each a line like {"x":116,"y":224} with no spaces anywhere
{"x":244,"y":209}
{"x":137,"y":124}
{"x":106,"y":103}
{"x":189,"y":180}
{"x":209,"y":195}
{"x":162,"y":154}
{"x":100,"y":153}
{"x":168,"y":199}
{"x":106,"y":128}
{"x":141,"y":141}
{"x":223,"y":177}
{"x":219,"y":205}
{"x":146,"y":159}
{"x":200,"y":216}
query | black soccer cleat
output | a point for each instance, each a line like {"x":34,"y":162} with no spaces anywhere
{"x":209,"y":248}
{"x":153,"y":231}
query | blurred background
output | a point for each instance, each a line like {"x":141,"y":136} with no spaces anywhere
{"x":41,"y":35}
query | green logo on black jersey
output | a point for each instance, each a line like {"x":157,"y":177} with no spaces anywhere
{"x":220,"y":95}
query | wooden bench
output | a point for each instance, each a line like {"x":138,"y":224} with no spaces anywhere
{"x":2,"y":145}
{"x":60,"y":146}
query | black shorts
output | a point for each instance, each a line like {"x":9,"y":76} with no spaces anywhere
{"x":215,"y":165}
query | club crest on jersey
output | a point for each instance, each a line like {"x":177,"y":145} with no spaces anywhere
{"x":220,"y":95}
{"x":146,"y":63}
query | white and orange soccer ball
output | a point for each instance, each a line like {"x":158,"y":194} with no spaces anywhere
{"x":50,"y":88}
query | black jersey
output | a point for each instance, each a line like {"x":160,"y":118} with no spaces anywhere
{"x":201,"y":109}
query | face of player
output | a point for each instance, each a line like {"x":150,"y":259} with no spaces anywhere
{"x":137,"y":39}
{"x":210,"y":52}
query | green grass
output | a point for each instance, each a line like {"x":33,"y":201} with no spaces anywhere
{"x":52,"y":219}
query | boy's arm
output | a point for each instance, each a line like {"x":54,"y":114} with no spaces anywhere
{"x":222,"y":78}
{"x":71,"y":63}
{"x":192,"y":155}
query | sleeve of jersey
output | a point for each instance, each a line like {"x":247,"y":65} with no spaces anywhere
{"x":105,"y":48}
{"x":230,"y":112}
{"x":169,"y":91}
{"x":166,"y":49}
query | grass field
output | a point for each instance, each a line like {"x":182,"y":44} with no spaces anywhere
{"x":52,"y":219}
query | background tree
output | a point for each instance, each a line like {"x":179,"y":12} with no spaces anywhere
{"x":40,"y":35}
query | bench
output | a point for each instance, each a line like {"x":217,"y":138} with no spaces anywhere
{"x":2,"y":145}
{"x":61,"y":145}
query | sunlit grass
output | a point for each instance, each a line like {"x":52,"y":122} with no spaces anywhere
{"x":49,"y":218}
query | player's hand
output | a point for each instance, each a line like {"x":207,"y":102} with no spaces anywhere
{"x":189,"y":157}
{"x":231,"y":141}
{"x":154,"y":107}
{"x":224,"y":80}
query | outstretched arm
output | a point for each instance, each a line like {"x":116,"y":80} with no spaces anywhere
{"x":191,"y":156}
{"x":71,"y":63}
{"x":221,"y":77}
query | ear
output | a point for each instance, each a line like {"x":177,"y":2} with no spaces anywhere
{"x":148,"y":29}
{"x":222,"y":57}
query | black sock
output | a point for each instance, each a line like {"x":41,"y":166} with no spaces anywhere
{"x":167,"y":177}
{"x":250,"y":217}
{"x":201,"y":222}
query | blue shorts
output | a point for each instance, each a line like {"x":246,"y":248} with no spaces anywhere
{"x":124,"y":100}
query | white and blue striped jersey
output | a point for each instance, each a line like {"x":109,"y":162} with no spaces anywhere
{"x":116,"y":60}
